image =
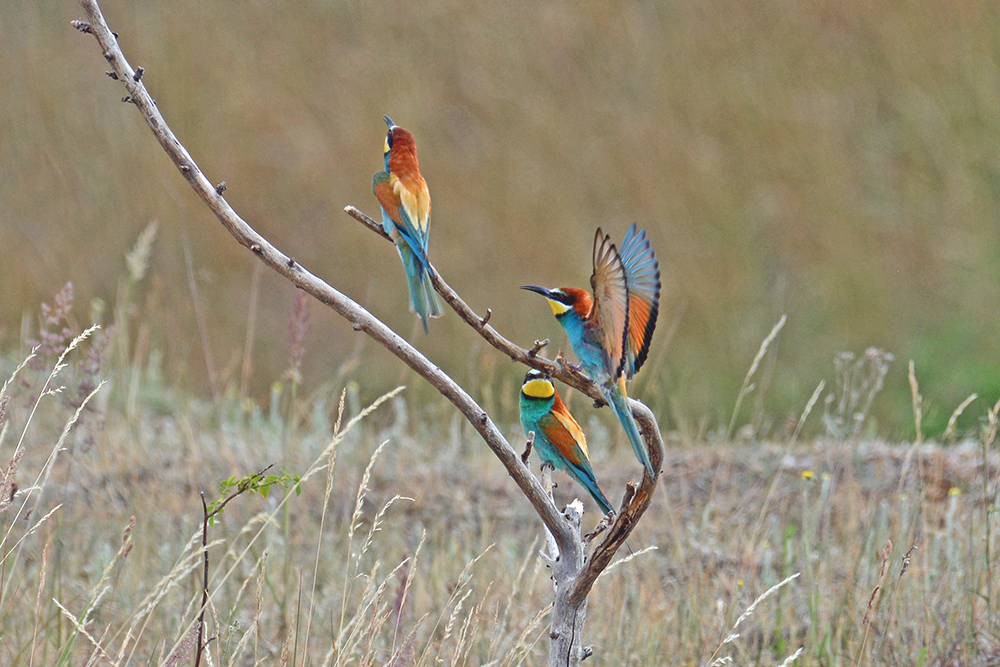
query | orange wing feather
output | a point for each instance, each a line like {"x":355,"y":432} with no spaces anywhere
{"x":388,"y":199}
{"x":567,"y":435}
{"x":638,"y":318}
{"x":411,"y":189}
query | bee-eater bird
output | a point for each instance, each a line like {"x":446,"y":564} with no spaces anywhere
{"x":558,"y":438}
{"x":406,"y":216}
{"x":610,"y":331}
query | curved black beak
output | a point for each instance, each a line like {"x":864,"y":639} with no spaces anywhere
{"x":388,"y":121}
{"x":537,"y":289}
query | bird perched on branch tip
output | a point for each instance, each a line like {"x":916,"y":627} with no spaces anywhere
{"x":406,"y":216}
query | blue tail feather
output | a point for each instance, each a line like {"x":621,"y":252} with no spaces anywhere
{"x":589,"y":483}
{"x":618,"y":403}
{"x":423,"y":299}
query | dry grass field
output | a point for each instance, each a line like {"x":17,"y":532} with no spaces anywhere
{"x":404,"y":543}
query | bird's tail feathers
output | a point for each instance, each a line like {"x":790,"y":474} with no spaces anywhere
{"x":424,"y":300}
{"x":619,"y":403}
{"x":600,"y":499}
{"x":432,"y":307}
{"x":586,"y":478}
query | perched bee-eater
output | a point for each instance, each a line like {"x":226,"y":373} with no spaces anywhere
{"x":558,"y":438}
{"x":610,"y":331}
{"x":406,"y":216}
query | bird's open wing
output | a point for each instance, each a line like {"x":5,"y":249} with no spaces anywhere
{"x":611,"y":306}
{"x":642,"y":273}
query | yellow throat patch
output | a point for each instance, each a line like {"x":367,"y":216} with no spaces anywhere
{"x":540,"y":388}
{"x":557,"y":307}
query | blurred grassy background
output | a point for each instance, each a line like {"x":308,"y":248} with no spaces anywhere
{"x":833,"y":161}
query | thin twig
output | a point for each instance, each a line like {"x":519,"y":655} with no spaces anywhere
{"x":537,"y":347}
{"x":199,"y":645}
{"x":241,"y":488}
{"x":527,"y":447}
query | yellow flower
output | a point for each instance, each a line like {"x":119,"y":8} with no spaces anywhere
{"x":954,"y":491}
{"x":808,"y":474}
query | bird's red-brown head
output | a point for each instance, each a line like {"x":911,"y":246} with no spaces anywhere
{"x":564,"y":299}
{"x":400,"y":151}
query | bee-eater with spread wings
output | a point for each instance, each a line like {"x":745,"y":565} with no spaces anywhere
{"x":610,"y":331}
{"x":558,"y":438}
{"x":406,"y":216}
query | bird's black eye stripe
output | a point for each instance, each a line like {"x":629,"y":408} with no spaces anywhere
{"x":388,"y":139}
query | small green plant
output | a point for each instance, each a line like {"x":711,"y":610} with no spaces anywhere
{"x":258,"y":482}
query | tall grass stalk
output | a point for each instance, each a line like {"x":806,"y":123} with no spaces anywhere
{"x":461,"y":583}
{"x":949,"y":431}
{"x":251,"y":331}
{"x":137,"y":263}
{"x":47,"y":389}
{"x":904,"y":566}
{"x":355,"y":522}
{"x":747,"y":387}
{"x":331,"y":461}
{"x":733,"y":635}
{"x":202,"y":321}
{"x":988,"y":437}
